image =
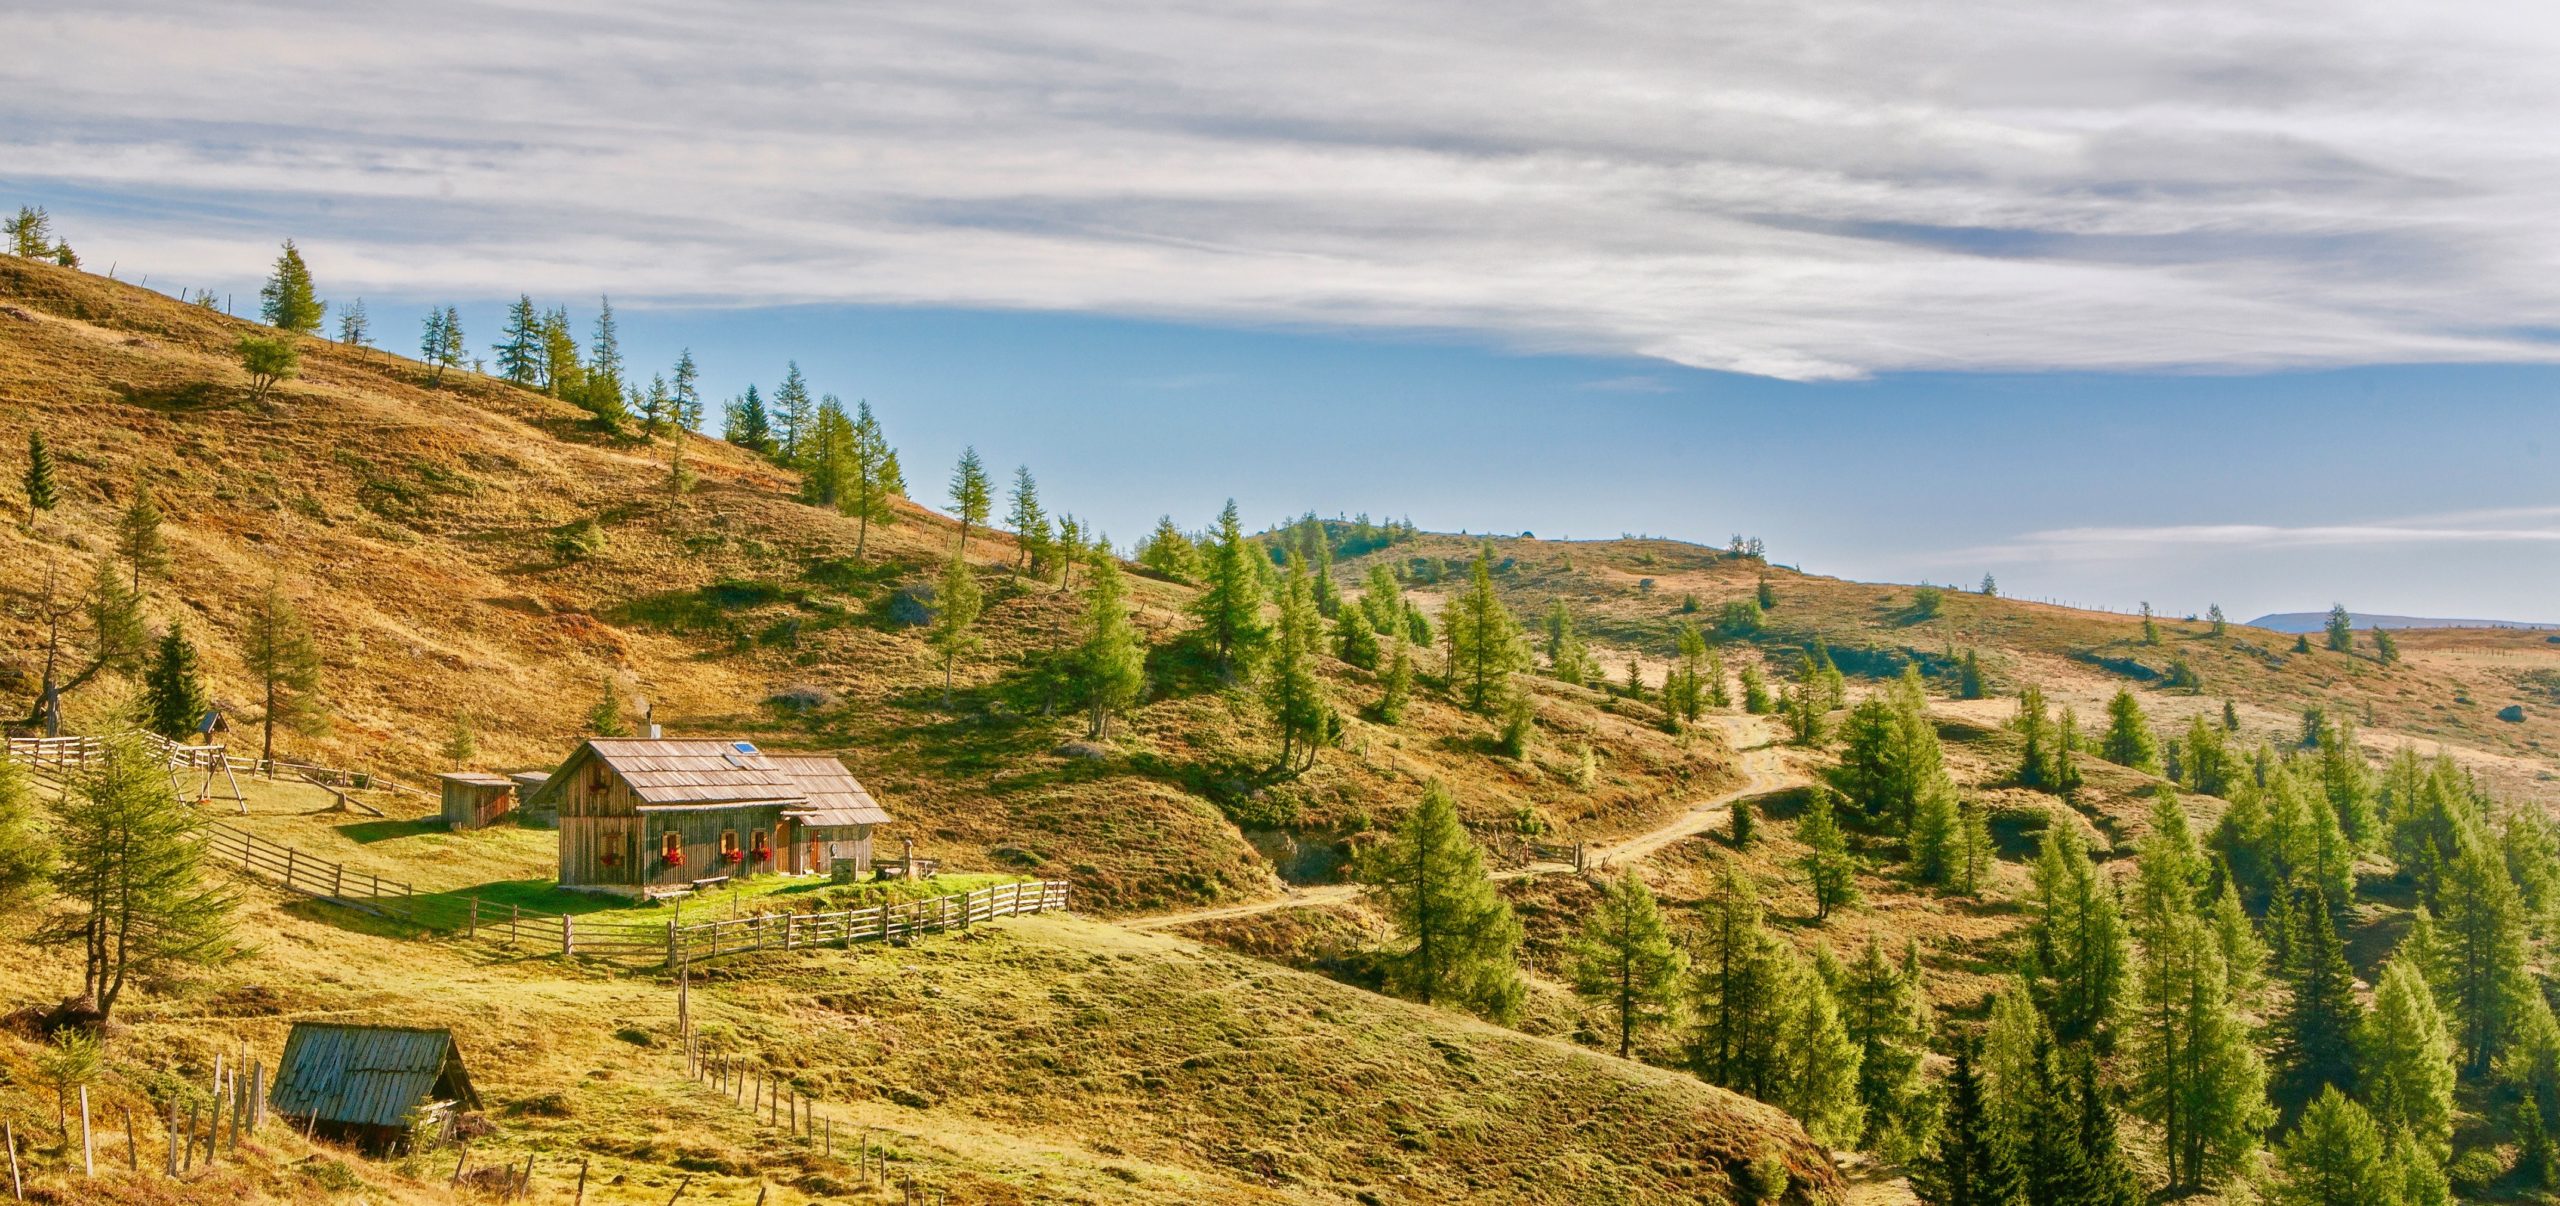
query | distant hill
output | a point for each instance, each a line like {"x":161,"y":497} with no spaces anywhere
{"x":2314,"y":621}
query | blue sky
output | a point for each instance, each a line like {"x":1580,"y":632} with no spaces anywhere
{"x":2182,"y":301}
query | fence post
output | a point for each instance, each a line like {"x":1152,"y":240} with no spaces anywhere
{"x":474,"y":931}
{"x":568,"y":934}
{"x":790,"y":929}
{"x":338,"y":880}
{"x":671,"y":942}
{"x":288,"y":866}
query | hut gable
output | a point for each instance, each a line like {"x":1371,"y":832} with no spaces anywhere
{"x":678,"y":773}
{"x":834,"y":797}
{"x":368,"y":1076}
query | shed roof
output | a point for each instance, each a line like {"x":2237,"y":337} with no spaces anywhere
{"x":478,"y":779}
{"x":682,"y":772}
{"x":368,"y":1075}
{"x":835,"y":797}
{"x":528,"y":781}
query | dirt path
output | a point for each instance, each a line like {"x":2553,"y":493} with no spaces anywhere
{"x":1764,"y":769}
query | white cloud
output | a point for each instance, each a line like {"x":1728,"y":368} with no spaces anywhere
{"x":2512,"y":525}
{"x":1803,"y":188}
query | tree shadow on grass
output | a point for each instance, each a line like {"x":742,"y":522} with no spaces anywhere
{"x":368,"y":832}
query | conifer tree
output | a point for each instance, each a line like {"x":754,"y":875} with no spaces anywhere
{"x":1354,"y":641}
{"x":2335,"y":1158}
{"x":1975,"y":850}
{"x":1827,"y":863}
{"x":2481,"y":949}
{"x":1170,"y":553}
{"x":117,"y":637}
{"x":1973,"y":1164}
{"x":1886,"y":1013}
{"x":1395,"y":687}
{"x":2014,"y":1041}
{"x":286,"y":301}
{"x":2386,"y":650}
{"x":1624,"y":960}
{"x":1486,"y":644}
{"x":2078,"y":962}
{"x":562,"y":372}
{"x":2244,"y":956}
{"x":520,"y":349}
{"x":684,"y":388}
{"x":1459,"y":937}
{"x":2213,"y":616}
{"x":268,"y":362}
{"x":2129,"y":741}
{"x":1030,"y":524}
{"x":2341,"y":629}
{"x":174,"y":699}
{"x":826,"y":459}
{"x":1737,"y":987}
{"x":1817,"y":1072}
{"x":956,"y":604}
{"x":2404,"y":1059}
{"x":873,"y":470}
{"x":794,"y":413}
{"x":26,"y":852}
{"x":1112,"y":665}
{"x":2035,"y":729}
{"x":1804,"y":711}
{"x":747,"y":425}
{"x":2150,"y":626}
{"x":140,"y":908}
{"x":2066,"y":753}
{"x":1383,"y":599}
{"x":138,"y":538}
{"x":2315,"y":1042}
{"x":971,"y":494}
{"x":1565,"y":656}
{"x":604,"y":719}
{"x":1936,"y":837}
{"x":285,"y":661}
{"x":30,"y":233}
{"x":2348,"y":783}
{"x":1969,"y":681}
{"x":1755,"y":692}
{"x":355,"y":328}
{"x":38,"y":479}
{"x":2105,"y":1177}
{"x":1291,"y":692}
{"x":1230,"y":604}
{"x":2199,"y":1079}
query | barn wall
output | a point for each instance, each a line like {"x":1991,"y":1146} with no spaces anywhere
{"x":700,"y":831}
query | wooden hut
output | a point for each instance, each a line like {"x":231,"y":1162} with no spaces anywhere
{"x":375,"y":1085}
{"x":831,"y":832}
{"x":527,"y":783}
{"x":476,"y":801}
{"x":648,"y":816}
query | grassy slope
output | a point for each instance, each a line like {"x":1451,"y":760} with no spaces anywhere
{"x":415,"y":525}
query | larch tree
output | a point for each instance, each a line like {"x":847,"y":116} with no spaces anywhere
{"x":287,"y":302}
{"x":26,"y":850}
{"x":2035,"y":730}
{"x":971,"y":494}
{"x":38,"y":478}
{"x":140,"y":908}
{"x":519,"y":348}
{"x":1395,"y":684}
{"x":1972,"y":1163}
{"x":600,"y":387}
{"x":174,"y":699}
{"x":285,"y":661}
{"x":1292,"y":692}
{"x":794,"y":411}
{"x":138,"y":538}
{"x":117,"y":638}
{"x":956,"y":603}
{"x":30,"y":233}
{"x":874,"y":477}
{"x":1354,"y":641}
{"x":1829,"y":868}
{"x":2315,"y":1038}
{"x":1886,"y":1013}
{"x":1166,"y":551}
{"x":1460,"y":941}
{"x":747,"y":425}
{"x":2481,"y":949}
{"x":2199,"y":1078}
{"x":563,"y":371}
{"x":1624,"y":960}
{"x":1229,"y":606}
{"x":1818,"y":1070}
{"x":826,"y":454}
{"x":2078,"y":959}
{"x":269,"y":362}
{"x":355,"y":327}
{"x":2341,"y":629}
{"x":1738,"y":978}
{"x":2405,"y":1059}
{"x":2335,"y":1158}
{"x":1566,"y":658}
{"x":1030,"y":524}
{"x":2128,"y":740}
{"x":1486,"y":643}
{"x":1111,"y":666}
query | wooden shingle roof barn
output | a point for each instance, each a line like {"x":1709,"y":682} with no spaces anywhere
{"x":373,"y":1081}
{"x":666,"y":772}
{"x":835,"y":796}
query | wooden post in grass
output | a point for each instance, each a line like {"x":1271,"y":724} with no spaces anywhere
{"x":17,"y":1188}
{"x":671,"y":1198}
{"x":474,"y":930}
{"x":213,"y":1132}
{"x":582,"y":1181}
{"x":193,"y":1113}
{"x":88,"y":1154}
{"x":524,"y":1184}
{"x":458,"y":1161}
{"x":257,"y":1095}
{"x":172,"y":1134}
{"x":515,"y":918}
{"x":132,"y":1145}
{"x":568,"y":934}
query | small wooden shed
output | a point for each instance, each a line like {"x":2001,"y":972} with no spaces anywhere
{"x":374,"y":1085}
{"x":528,"y":814}
{"x":475,"y":801}
{"x":831,"y":831}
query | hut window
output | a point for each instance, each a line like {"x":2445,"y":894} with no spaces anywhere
{"x":763,"y":846}
{"x":729,"y":852}
{"x":671,"y":848}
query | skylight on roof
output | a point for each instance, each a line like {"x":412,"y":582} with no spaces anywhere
{"x":743,"y":747}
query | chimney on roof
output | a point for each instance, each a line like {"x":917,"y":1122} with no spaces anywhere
{"x":649,"y":720}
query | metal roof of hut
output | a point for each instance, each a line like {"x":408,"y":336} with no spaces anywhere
{"x":835,"y":796}
{"x":681,"y":773}
{"x":368,"y":1075}
{"x":477,"y":779}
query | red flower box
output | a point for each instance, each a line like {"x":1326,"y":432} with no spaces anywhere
{"x":732,"y":855}
{"x":609,"y":859}
{"x":764,"y":854}
{"x":675,"y":858}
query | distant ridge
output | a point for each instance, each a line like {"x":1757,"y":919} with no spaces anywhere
{"x":2314,"y":621}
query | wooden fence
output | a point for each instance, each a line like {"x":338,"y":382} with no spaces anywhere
{"x":56,"y":753}
{"x":74,"y":753}
{"x":290,"y":868}
{"x":879,"y":923}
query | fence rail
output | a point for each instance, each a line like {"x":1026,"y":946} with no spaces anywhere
{"x":300,"y":872}
{"x":879,"y":923}
{"x":73,"y":753}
